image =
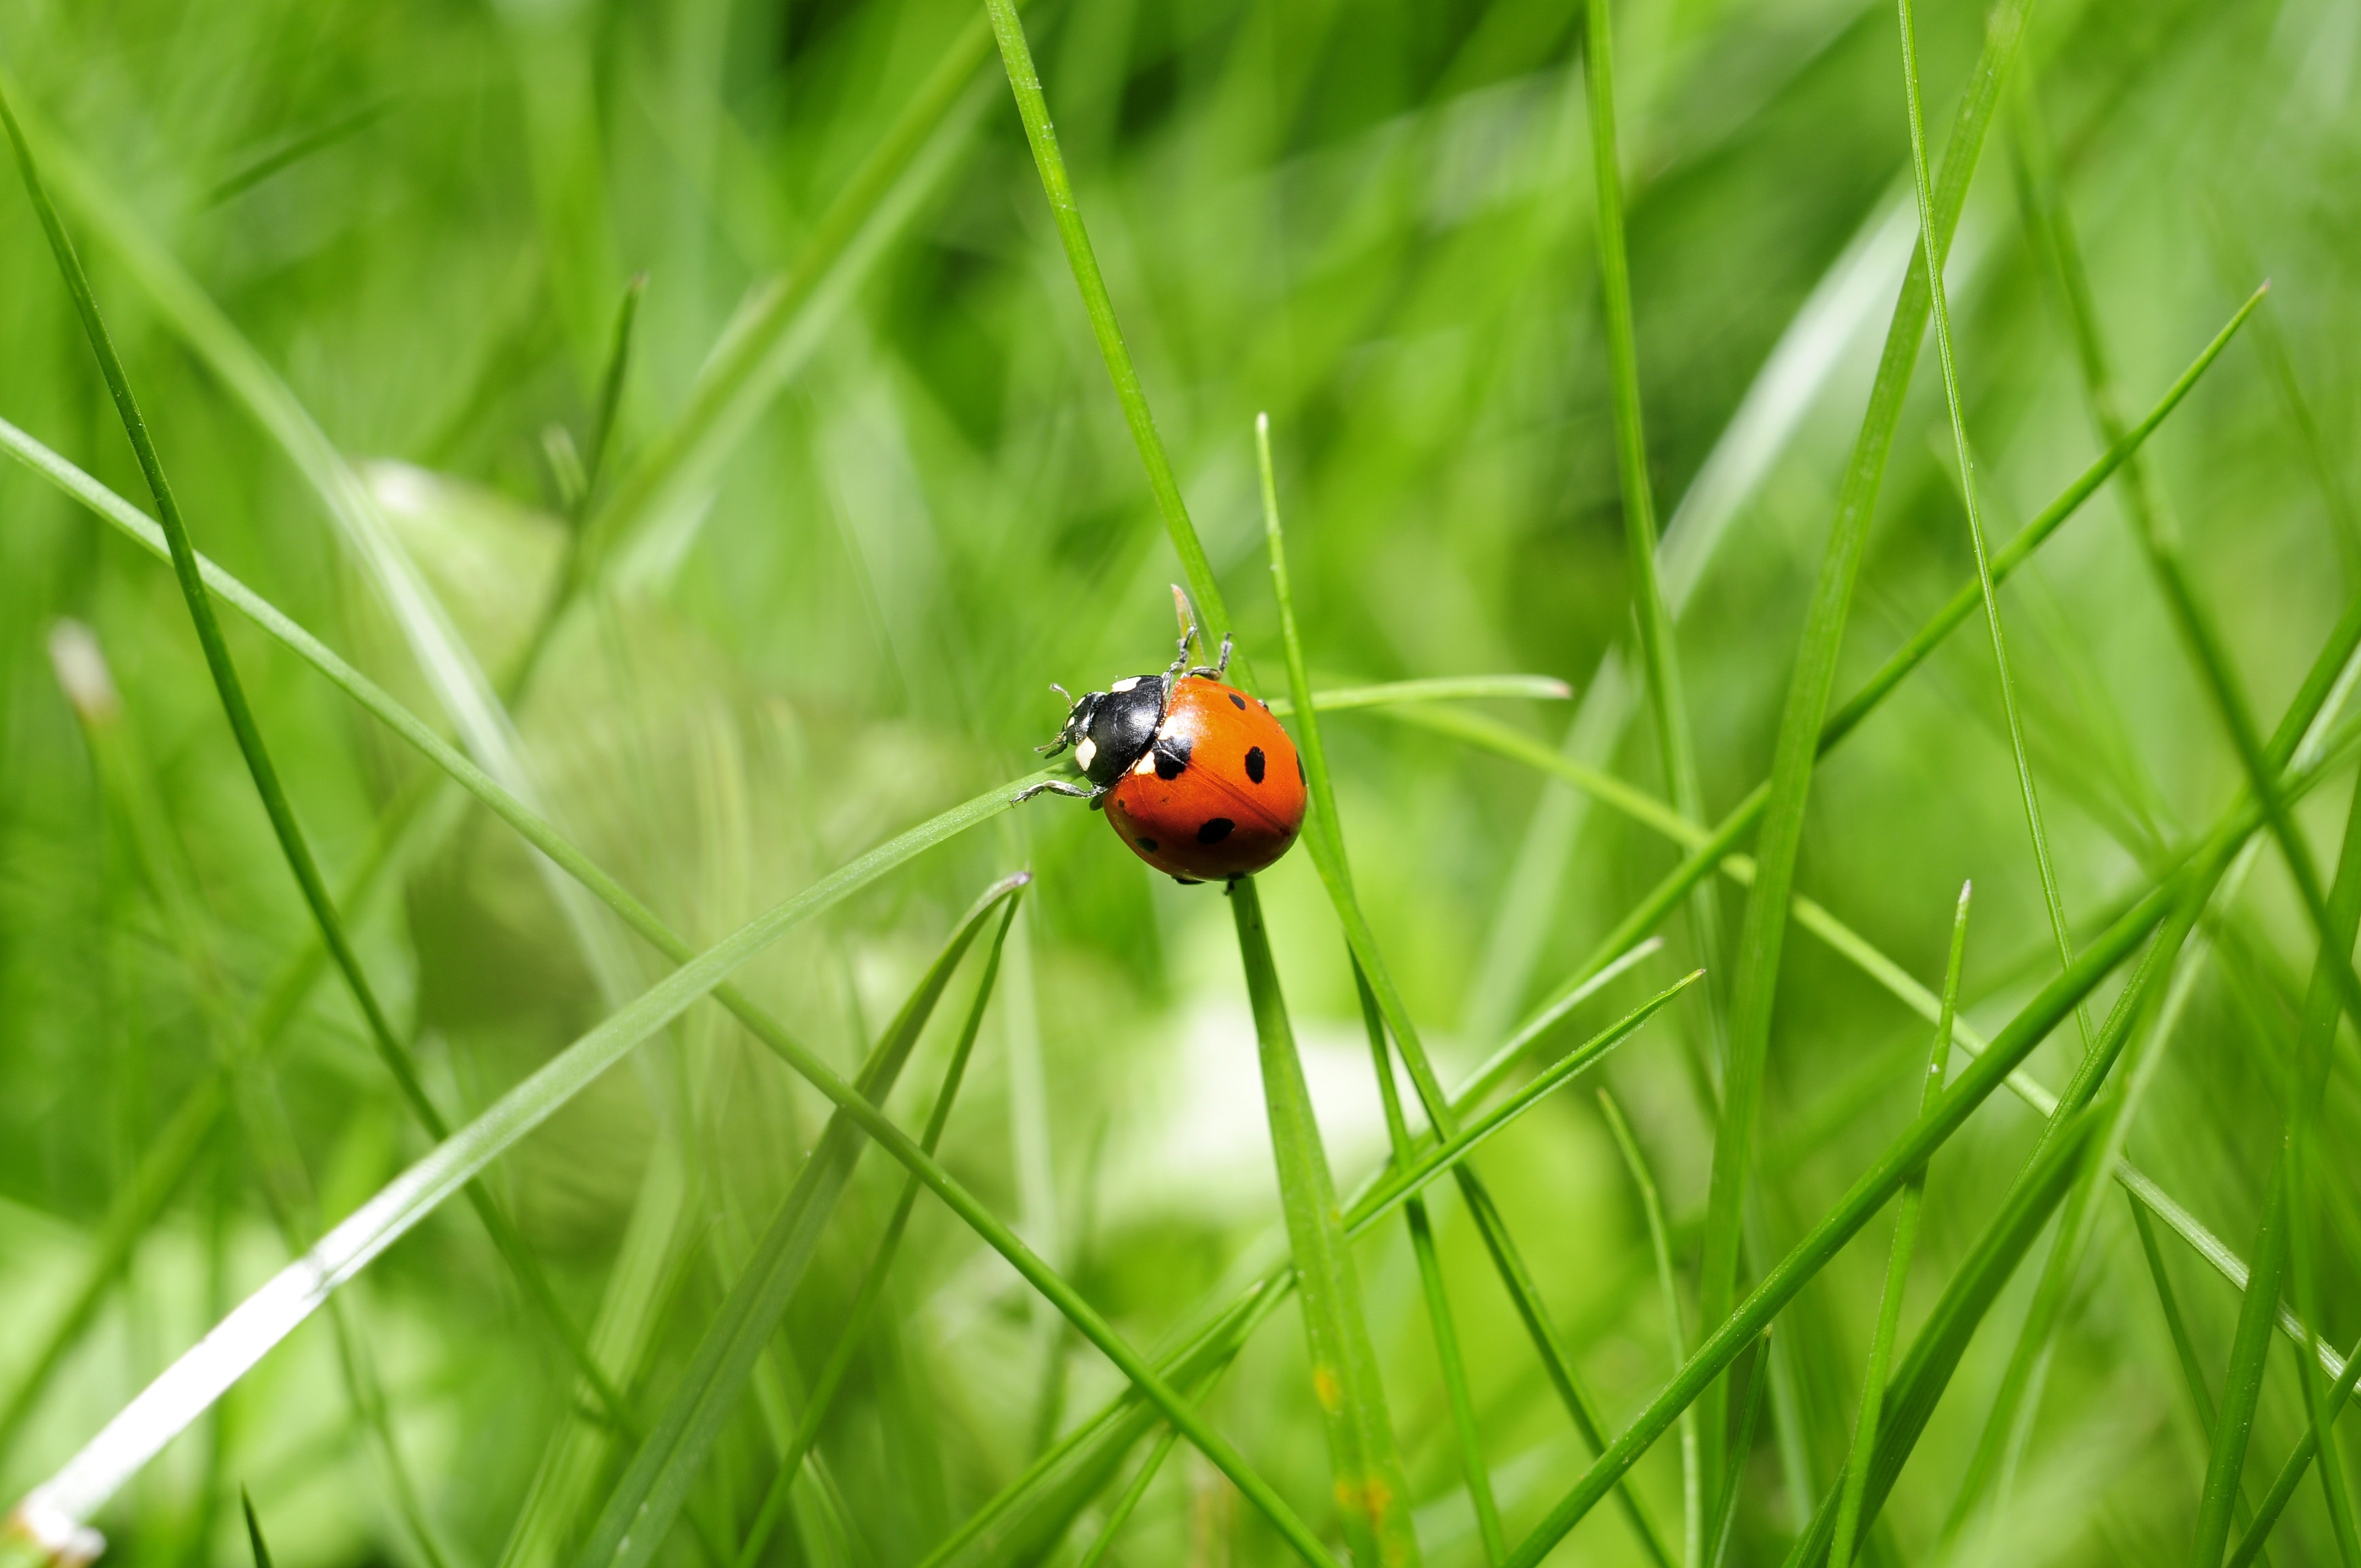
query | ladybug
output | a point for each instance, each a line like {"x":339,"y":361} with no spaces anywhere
{"x":1197,"y":777}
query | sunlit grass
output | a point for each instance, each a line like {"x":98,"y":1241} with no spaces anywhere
{"x":682,"y":439}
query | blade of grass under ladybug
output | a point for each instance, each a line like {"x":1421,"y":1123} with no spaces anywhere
{"x":862,"y":871}
{"x":1472,"y":1467}
{"x":293,"y":845}
{"x":1324,"y":838}
{"x":1897,"y":1264}
{"x":1372,"y":1494}
{"x":639,"y":1513}
{"x":856,"y":1316}
{"x":1041,"y":136}
{"x":1675,"y":1336}
{"x":1753,"y":983}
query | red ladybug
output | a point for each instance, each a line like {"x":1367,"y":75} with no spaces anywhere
{"x":1196,"y":776}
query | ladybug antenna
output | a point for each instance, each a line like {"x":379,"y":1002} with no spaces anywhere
{"x":1062,"y":692}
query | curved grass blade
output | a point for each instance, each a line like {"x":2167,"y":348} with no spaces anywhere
{"x":1676,"y":1336}
{"x":1325,"y":839}
{"x":856,"y":1316}
{"x":1372,"y":1494}
{"x":293,"y":845}
{"x":1762,"y":931}
{"x":1897,"y":1264}
{"x":1120,"y":1515}
{"x":1472,"y":1467}
{"x":639,"y":1514}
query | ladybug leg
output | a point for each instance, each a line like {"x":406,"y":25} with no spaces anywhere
{"x":1055,"y":786}
{"x":1221,"y":665}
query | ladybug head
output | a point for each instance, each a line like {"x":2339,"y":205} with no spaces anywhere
{"x":1112,"y":730}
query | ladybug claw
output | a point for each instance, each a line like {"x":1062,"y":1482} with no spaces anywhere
{"x":1051,"y":786}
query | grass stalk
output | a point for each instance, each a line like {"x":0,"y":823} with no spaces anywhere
{"x":1324,"y":837}
{"x":1128,"y":1503}
{"x":1897,"y":1264}
{"x":856,"y":1316}
{"x":1658,"y":646}
{"x":1473,"y":1470}
{"x":1372,"y":1494}
{"x":2291,"y":1472}
{"x":1050,"y":162}
{"x":1660,"y":1243}
{"x":296,"y":849}
{"x":1741,"y":1444}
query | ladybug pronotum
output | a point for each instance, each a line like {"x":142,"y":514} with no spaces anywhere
{"x":1197,"y":777}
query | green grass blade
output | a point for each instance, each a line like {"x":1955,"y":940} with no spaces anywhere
{"x":856,"y":1316}
{"x":1033,"y":108}
{"x":1473,"y":1469}
{"x":2292,"y":1473}
{"x":2301,"y":1267}
{"x":1676,"y":1336}
{"x":1324,"y":837}
{"x":1741,"y":1444}
{"x":292,"y":843}
{"x":1447,"y":688}
{"x":1897,"y":1266}
{"x":639,"y":1513}
{"x":1372,"y":1494}
{"x":1940,"y":306}
{"x":253,"y":1529}
{"x":1128,"y":1504}
{"x":1762,"y":931}
{"x":1934,"y":1354}
{"x":1864,"y":1198}
{"x":1659,"y":648}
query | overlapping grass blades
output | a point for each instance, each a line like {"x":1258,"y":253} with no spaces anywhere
{"x":640,"y":1512}
{"x":1372,"y":1495}
{"x":1754,"y":980}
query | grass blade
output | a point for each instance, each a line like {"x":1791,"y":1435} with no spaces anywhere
{"x":1033,"y":108}
{"x":253,"y":1529}
{"x":639,"y":1514}
{"x":1128,"y":1503}
{"x":1897,"y":1266}
{"x":1763,"y":932}
{"x":873,"y":1283}
{"x":2291,"y":1474}
{"x":1659,"y":649}
{"x":1372,"y":1495}
{"x":1325,"y":839}
{"x":1447,"y":688}
{"x":1676,"y":1336}
{"x":1741,"y":1444}
{"x":1432,"y":1285}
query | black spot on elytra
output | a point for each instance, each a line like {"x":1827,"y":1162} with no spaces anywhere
{"x":1214,"y":830}
{"x":1254,"y":763}
{"x":1149,"y":845}
{"x":1237,"y":702}
{"x":1172,"y":756}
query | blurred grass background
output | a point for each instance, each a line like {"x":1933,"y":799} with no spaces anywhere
{"x":1373,"y":221}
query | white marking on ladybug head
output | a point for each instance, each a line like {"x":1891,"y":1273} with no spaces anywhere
{"x":1086,"y":751}
{"x":1147,"y":763}
{"x":1125,"y":684}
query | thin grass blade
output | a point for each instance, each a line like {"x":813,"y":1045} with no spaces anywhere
{"x":1676,"y":1334}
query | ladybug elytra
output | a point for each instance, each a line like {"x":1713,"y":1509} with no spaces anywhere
{"x":1197,"y":777}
